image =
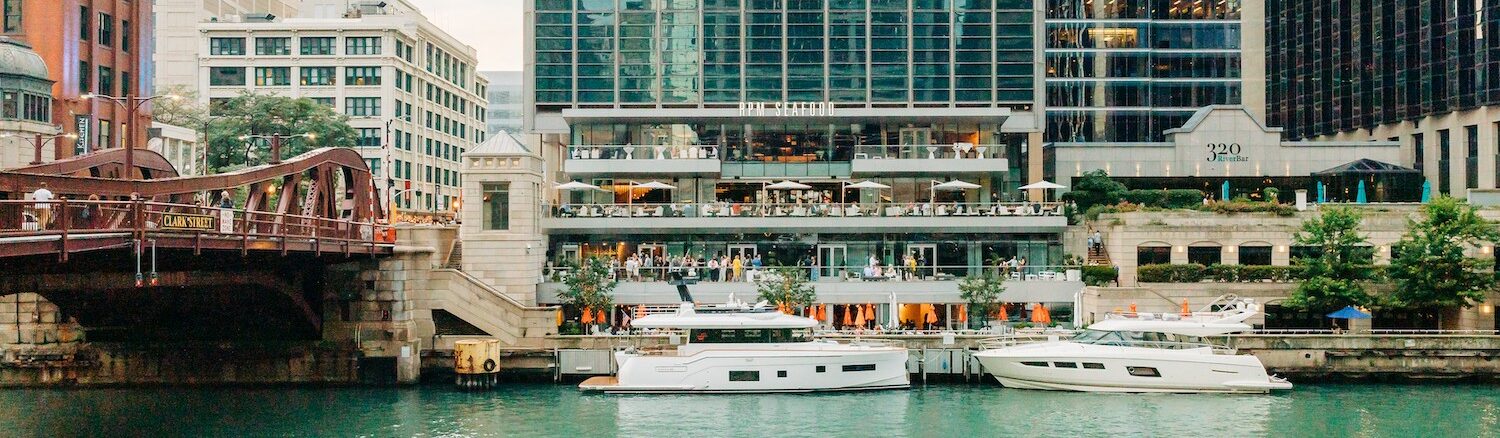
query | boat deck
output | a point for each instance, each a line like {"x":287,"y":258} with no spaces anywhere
{"x":599,"y":383}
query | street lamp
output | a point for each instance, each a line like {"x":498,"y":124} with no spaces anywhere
{"x":39,"y":142}
{"x":385,"y":163}
{"x":275,"y":144}
{"x":131,"y":105}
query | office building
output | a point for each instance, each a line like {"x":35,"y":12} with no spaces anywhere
{"x":505,"y":111}
{"x":409,"y":88}
{"x":177,"y":37}
{"x":1424,"y":73}
{"x":844,"y":138}
{"x":1128,"y":70}
{"x":89,"y":47}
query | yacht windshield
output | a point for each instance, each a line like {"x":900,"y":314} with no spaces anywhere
{"x":749,"y":336}
{"x":1137,"y":339}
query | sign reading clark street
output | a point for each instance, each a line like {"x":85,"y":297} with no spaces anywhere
{"x":194,"y":222}
{"x":786,"y":109}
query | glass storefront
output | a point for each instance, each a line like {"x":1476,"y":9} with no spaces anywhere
{"x":831,"y":255}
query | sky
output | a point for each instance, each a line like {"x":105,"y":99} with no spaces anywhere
{"x":493,"y":27}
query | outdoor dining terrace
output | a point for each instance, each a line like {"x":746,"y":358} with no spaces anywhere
{"x":796,"y":210}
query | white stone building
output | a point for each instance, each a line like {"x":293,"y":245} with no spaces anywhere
{"x":25,"y":106}
{"x":177,"y":32}
{"x":409,"y":88}
{"x":179,"y":145}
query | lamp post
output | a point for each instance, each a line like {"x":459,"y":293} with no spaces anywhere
{"x":131,"y":104}
{"x":385,"y":162}
{"x":39,"y":142}
{"x":276,"y":140}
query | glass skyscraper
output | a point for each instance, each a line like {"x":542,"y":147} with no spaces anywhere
{"x":851,"y":52}
{"x":1126,"y":70}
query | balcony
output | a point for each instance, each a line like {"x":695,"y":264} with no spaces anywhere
{"x":850,"y":285}
{"x":929,"y":159}
{"x":807,"y":217}
{"x":631,"y":159}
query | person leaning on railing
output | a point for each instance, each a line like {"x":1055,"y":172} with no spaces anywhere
{"x":43,"y":207}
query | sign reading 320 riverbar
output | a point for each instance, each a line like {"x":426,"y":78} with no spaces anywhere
{"x":194,"y":222}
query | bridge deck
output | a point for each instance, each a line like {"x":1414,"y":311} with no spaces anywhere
{"x":65,"y":227}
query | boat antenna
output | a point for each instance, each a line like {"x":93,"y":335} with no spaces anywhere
{"x":676,"y":279}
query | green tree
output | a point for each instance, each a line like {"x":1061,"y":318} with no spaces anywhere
{"x":982,"y":292}
{"x":1335,"y":275}
{"x":267,"y":114}
{"x":786,"y":287}
{"x":589,"y":286}
{"x":186,"y":111}
{"x":1095,"y":187}
{"x":1431,"y":270}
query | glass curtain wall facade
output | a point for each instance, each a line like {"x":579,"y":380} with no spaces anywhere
{"x":854,"y":53}
{"x":1126,"y":70}
{"x":1344,"y":65}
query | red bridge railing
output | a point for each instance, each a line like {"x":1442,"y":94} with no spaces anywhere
{"x":137,"y":219}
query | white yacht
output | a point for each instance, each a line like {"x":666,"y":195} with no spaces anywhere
{"x":1143,"y":353}
{"x":735,"y":348}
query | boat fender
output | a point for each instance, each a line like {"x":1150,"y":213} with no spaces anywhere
{"x":702,"y":335}
{"x":489,"y":365}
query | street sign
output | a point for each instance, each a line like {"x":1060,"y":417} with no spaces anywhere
{"x":193,"y":222}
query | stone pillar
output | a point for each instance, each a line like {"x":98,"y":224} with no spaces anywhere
{"x":505,"y":254}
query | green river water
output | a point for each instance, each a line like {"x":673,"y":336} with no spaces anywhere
{"x":935,"y":410}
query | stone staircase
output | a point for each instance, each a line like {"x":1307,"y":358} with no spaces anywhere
{"x":1098,"y":256}
{"x":455,"y":256}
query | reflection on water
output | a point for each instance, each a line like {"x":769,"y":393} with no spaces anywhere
{"x":934,"y":410}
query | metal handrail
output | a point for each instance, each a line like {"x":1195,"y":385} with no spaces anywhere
{"x":809,"y":209}
{"x":931,"y":151}
{"x":702,"y":273}
{"x":64,"y":216}
{"x":644,"y":152}
{"x":1372,"y":332}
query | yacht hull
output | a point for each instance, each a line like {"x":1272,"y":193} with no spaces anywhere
{"x":1065,"y":366}
{"x":813,"y":367}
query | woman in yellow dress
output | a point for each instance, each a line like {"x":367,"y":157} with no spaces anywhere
{"x":739,"y":268}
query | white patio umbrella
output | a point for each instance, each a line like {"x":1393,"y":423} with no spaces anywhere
{"x":576,"y":186}
{"x":866,"y":184}
{"x":788,"y":185}
{"x":1043,"y":185}
{"x":950,"y":186}
{"x":895,"y":317}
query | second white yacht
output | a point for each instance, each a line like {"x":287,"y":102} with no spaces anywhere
{"x":1145,"y":353}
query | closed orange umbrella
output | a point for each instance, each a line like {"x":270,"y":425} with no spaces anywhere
{"x":1132,"y":308}
{"x":823,"y":312}
{"x":1185,"y":310}
{"x":640,"y":310}
{"x":559,"y":317}
{"x":931,"y":314}
{"x":848,"y":318}
{"x":963,"y":315}
{"x":859,"y":316}
{"x":1003,"y":314}
{"x":601,"y":317}
{"x":588,"y":316}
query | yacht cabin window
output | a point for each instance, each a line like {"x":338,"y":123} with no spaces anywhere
{"x":749,"y":336}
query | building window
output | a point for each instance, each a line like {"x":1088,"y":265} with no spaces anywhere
{"x":226,"y":76}
{"x":1445,"y":154}
{"x":1205,"y":255}
{"x":226,"y":46}
{"x":104,"y":137}
{"x":106,"y":30}
{"x":83,"y":77}
{"x":1255,"y":255}
{"x":124,"y":83}
{"x":744,"y":376}
{"x":325,"y":101}
{"x":1153,"y":255}
{"x":317,"y":76}
{"x":125,"y":35}
{"x":106,"y":81}
{"x":368,"y":137}
{"x":317,"y":46}
{"x":12,"y":18}
{"x":362,"y":46}
{"x":273,"y":76}
{"x":362,"y":106}
{"x":273,"y":46}
{"x":1419,"y":154}
{"x":1471,"y":161}
{"x":496,"y":205}
{"x":85,"y":31}
{"x":361,"y":75}
{"x":10,"y":105}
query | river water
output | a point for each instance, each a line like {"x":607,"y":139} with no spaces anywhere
{"x":936,"y":410}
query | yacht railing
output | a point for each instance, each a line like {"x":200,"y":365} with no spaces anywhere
{"x":1160,"y":345}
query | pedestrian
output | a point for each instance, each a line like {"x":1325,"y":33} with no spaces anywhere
{"x":43,"y":206}
{"x":755,"y":263}
{"x":91,"y":213}
{"x":1090,"y":238}
{"x":713,"y":269}
{"x":1098,"y":239}
{"x":633,"y":266}
{"x":224,"y":200}
{"x":911,"y":267}
{"x":739,"y":269}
